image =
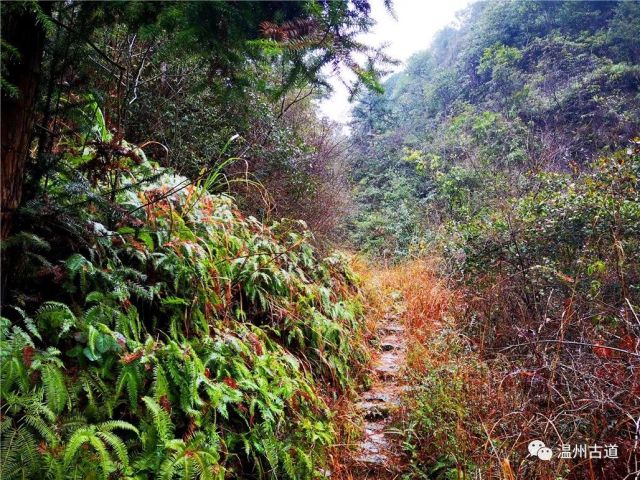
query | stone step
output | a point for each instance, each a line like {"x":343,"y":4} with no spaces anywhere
{"x":392,"y":338}
{"x":379,"y":454}
{"x":374,"y":428}
{"x":374,"y":443}
{"x":370,"y":466}
{"x":391,"y":329}
{"x":378,"y":413}
{"x":374,"y":466}
{"x":387,"y":375}
{"x":390,"y":346}
{"x":375,"y":410}
{"x":390,"y":403}
{"x":375,"y":396}
{"x":387,"y":364}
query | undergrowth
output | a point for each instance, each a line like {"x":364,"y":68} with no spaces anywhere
{"x":150,"y":330}
{"x":532,"y":335}
{"x":439,"y":426}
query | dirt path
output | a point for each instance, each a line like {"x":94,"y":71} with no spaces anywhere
{"x":379,"y":455}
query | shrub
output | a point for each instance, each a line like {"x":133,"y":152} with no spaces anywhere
{"x":180,"y":339}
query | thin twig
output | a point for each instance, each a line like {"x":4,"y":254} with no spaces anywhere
{"x":90,"y":43}
{"x":569,"y":342}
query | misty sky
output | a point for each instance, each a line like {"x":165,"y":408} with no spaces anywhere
{"x":417,"y":22}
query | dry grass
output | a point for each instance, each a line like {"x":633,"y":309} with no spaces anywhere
{"x":424,"y":302}
{"x":383,"y":291}
{"x":347,"y":419}
{"x":445,"y":409}
{"x":426,"y":298}
{"x":474,"y":409}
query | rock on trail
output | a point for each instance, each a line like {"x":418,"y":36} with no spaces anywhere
{"x":379,"y":455}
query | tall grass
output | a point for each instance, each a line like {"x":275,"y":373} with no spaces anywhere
{"x":471,"y":409}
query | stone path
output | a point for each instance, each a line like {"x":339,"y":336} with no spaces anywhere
{"x":379,"y":454}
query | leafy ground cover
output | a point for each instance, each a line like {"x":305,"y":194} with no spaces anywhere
{"x":174,"y":338}
{"x":527,"y":328}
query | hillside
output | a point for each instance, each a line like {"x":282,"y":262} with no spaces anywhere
{"x":507,"y":155}
{"x":519,"y":87}
{"x":204,"y":278}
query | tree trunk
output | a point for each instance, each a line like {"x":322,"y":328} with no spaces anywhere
{"x":22,"y":31}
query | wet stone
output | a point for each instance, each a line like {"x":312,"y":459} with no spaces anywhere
{"x":373,"y":396}
{"x":387,"y":373}
{"x":374,"y":428}
{"x":373,"y":410}
{"x":375,"y":444}
{"x":377,"y":456}
{"x":387,"y":376}
{"x":373,"y":459}
{"x":377,"y":413}
{"x":391,"y":329}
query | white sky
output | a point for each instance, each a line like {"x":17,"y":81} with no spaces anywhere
{"x":417,"y":22}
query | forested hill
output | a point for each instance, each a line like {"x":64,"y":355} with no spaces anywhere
{"x":516,"y":86}
{"x":203,"y":278}
{"x":508,"y":156}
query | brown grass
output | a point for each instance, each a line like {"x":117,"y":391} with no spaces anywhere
{"x":479,"y":406}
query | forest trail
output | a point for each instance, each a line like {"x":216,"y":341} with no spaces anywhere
{"x":405,"y":307}
{"x":379,"y":454}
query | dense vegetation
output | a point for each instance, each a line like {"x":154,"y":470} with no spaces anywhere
{"x":173,"y":305}
{"x":193,"y":341}
{"x":507,"y":149}
{"x":182,"y":79}
{"x":520,"y":87}
{"x":151,"y":326}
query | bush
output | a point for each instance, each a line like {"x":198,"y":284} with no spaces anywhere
{"x":180,"y":339}
{"x":552,"y":281}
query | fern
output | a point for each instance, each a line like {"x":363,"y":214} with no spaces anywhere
{"x":161,"y":384}
{"x":117,"y":445}
{"x":55,"y":388}
{"x":177,"y":326}
{"x":99,"y":396}
{"x":28,"y":323}
{"x":99,"y":437}
{"x":88,"y":436}
{"x":160,"y":419}
{"x":79,"y":267}
{"x":18,"y":454}
{"x":197,"y":459}
{"x":56,"y":315}
{"x":129,"y":380}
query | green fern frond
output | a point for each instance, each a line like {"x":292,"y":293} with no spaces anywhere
{"x":161,"y":419}
{"x":55,"y":388}
{"x":19,"y":457}
{"x":198,"y":459}
{"x":111,"y":425}
{"x":57,"y":315}
{"x":42,"y":427}
{"x":160,"y":385}
{"x":117,"y":445}
{"x":129,"y":380}
{"x":28,"y":323}
{"x":98,"y":437}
